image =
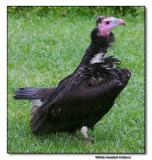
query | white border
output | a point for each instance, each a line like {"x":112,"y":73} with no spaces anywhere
{"x":3,"y":72}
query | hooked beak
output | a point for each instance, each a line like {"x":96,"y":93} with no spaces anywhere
{"x":121,"y":22}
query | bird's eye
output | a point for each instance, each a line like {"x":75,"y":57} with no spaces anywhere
{"x":107,"y":22}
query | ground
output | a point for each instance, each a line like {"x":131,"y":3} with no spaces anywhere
{"x":41,"y":51}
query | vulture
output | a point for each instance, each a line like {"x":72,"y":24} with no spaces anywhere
{"x":81,"y":99}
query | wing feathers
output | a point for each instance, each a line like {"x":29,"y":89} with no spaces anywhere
{"x":78,"y":85}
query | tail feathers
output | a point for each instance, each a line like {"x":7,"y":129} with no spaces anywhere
{"x":32,"y":93}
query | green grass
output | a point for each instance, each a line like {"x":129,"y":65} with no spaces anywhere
{"x":42,"y":51}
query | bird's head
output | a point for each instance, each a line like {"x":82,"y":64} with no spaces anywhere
{"x":106,"y":24}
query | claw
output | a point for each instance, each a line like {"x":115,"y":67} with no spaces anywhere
{"x":88,"y":139}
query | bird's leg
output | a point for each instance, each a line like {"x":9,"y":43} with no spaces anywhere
{"x":84,"y":131}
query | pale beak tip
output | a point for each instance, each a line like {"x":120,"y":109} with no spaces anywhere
{"x":121,"y":22}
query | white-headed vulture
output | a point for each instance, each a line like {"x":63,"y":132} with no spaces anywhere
{"x":81,"y":99}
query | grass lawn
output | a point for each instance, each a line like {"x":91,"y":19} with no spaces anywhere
{"x":42,"y":51}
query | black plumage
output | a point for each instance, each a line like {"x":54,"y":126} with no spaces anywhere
{"x":82,"y":98}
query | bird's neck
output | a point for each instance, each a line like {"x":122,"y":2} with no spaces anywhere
{"x":91,"y":53}
{"x":97,"y":49}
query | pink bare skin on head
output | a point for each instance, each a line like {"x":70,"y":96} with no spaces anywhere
{"x":107,"y":24}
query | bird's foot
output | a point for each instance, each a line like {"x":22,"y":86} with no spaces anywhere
{"x":88,"y":139}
